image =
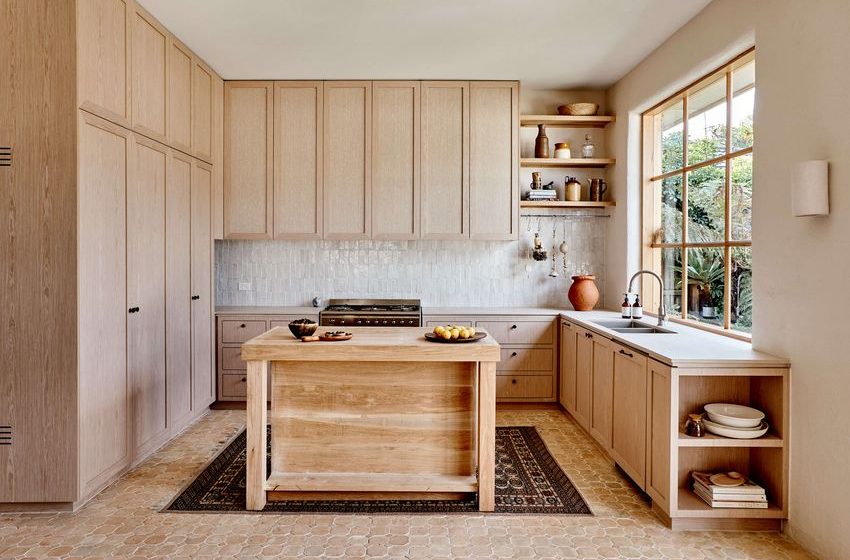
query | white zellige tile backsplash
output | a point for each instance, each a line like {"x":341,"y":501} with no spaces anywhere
{"x":440,"y":273}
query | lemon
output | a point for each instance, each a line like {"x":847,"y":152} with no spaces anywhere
{"x":464,"y":333}
{"x":455,"y":333}
{"x":446,"y":334}
{"x":471,"y":331}
{"x":439,"y":329}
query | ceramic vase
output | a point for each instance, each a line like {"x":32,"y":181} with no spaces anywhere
{"x":583,"y":293}
{"x":541,"y":143}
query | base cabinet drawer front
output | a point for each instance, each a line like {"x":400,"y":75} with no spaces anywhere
{"x":239,"y":331}
{"x":531,"y":387}
{"x":520,"y":332}
{"x":526,"y":359}
{"x":231,"y":358}
{"x":234,"y":385}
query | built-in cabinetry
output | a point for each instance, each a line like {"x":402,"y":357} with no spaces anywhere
{"x":371,"y":160}
{"x":635,"y":407}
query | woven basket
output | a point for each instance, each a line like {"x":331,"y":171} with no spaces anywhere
{"x":578,"y":109}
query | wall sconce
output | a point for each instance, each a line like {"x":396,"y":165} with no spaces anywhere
{"x":810,"y":188}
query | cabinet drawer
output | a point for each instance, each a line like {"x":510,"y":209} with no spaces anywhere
{"x":231,"y":358}
{"x":234,"y":385}
{"x":234,"y":330}
{"x":526,"y":359}
{"x":519,"y":332}
{"x":525,"y":386}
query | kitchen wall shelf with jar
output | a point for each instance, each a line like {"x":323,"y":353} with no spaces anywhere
{"x":565,"y":204}
{"x":567,"y":163}
{"x":569,"y":121}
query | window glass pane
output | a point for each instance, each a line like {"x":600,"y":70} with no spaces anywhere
{"x":705,"y":284}
{"x":741,"y":198}
{"x":743,"y":101}
{"x":741,"y":318}
{"x":706,"y":204}
{"x":671,"y":210}
{"x":671,"y":272}
{"x":707,"y":122}
{"x":670,"y":124}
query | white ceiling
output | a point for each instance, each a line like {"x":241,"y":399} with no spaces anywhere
{"x":551,"y":44}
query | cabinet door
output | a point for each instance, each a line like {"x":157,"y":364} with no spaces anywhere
{"x":395,"y":160}
{"x":178,"y":342}
{"x":602,"y":392}
{"x":179,"y":96}
{"x":202,"y":304}
{"x":493,"y":159}
{"x":202,"y":104}
{"x":103,"y":58}
{"x":298,"y":160}
{"x":628,"y":433}
{"x":248,"y":160}
{"x":146,"y":290}
{"x":347,"y":160}
{"x":584,"y":375}
{"x":567,"y":390}
{"x":103,"y":153}
{"x":659,"y":485}
{"x":445,"y":160}
{"x":149,"y":48}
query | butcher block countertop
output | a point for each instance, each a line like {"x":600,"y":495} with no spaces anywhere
{"x":379,"y":344}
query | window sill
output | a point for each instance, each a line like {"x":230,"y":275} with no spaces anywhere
{"x":745,"y":337}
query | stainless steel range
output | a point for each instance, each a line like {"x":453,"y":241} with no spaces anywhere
{"x":372,"y":313}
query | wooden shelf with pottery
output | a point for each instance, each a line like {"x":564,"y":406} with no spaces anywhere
{"x":565,"y":204}
{"x":567,"y":121}
{"x":711,"y":440}
{"x":572,"y":162}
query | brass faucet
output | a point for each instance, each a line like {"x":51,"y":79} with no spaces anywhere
{"x":662,"y":311}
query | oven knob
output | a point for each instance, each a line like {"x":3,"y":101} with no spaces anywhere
{"x":367,"y":321}
{"x":332,"y":321}
{"x":385,"y":321}
{"x":393,"y":322}
{"x":359,"y":322}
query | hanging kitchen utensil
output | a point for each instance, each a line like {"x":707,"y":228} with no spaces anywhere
{"x":538,"y":253}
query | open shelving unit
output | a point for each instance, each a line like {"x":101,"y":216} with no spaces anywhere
{"x":565,"y":204}
{"x":572,"y":162}
{"x":568,"y":121}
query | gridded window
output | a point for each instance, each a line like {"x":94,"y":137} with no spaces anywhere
{"x":697,"y":200}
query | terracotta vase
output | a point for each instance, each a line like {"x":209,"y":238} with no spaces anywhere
{"x":583,"y":293}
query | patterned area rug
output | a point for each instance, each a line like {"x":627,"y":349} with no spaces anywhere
{"x":528,"y":480}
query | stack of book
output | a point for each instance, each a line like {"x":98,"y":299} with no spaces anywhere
{"x":542,"y":194}
{"x":747,"y":495}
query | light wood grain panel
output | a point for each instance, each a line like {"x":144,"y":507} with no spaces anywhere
{"x":248,"y":160}
{"x":519,"y":360}
{"x":38,"y":241}
{"x":445,"y":160}
{"x":148,"y":71}
{"x":493,"y":157}
{"x":178,"y":311}
{"x":298,"y":116}
{"x":370,"y":482}
{"x":231,"y":358}
{"x":659,"y":436}
{"x":203,"y":376}
{"x":104,"y":392}
{"x":146,"y":289}
{"x":517,"y":331}
{"x":395,"y":160}
{"x":218,"y":157}
{"x":103,"y":58}
{"x":242,"y":330}
{"x":486,"y":436}
{"x":179,"y":96}
{"x":256,"y":439}
{"x":567,"y":368}
{"x":234,"y":385}
{"x":602,"y":392}
{"x":347,"y":160}
{"x":521,"y":387}
{"x":584,"y":376}
{"x":202,"y":107}
{"x":629,"y":413}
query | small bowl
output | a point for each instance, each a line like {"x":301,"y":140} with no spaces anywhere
{"x":578,"y":109}
{"x":303,"y":327}
{"x":734,"y":415}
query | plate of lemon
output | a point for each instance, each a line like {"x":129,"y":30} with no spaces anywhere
{"x":454,"y":334}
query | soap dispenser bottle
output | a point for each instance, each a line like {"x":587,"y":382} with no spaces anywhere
{"x":637,"y":308}
{"x":627,"y":307}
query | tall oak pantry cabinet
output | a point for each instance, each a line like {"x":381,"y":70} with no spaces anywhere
{"x":106,"y":245}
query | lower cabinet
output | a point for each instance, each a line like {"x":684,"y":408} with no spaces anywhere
{"x":567,"y":386}
{"x":602,"y":391}
{"x":584,"y":376}
{"x":629,"y":412}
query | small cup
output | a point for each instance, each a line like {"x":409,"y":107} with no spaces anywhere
{"x":694,"y":426}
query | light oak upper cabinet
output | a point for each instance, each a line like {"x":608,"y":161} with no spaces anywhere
{"x":395,"y":160}
{"x":149,"y":48}
{"x":103,"y":54}
{"x":146,"y":291}
{"x":178,"y":342}
{"x":179,"y":96}
{"x":202,"y":305}
{"x":202,"y":107}
{"x":629,"y":411}
{"x":218,"y":157}
{"x":248,"y":158}
{"x":298,"y":115}
{"x":493,"y":160}
{"x":567,"y":392}
{"x":347,"y":160}
{"x":602,"y":391}
{"x":444,"y":132}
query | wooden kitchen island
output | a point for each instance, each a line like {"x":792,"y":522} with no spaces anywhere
{"x":385,"y":415}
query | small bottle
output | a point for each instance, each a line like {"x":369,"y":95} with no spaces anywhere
{"x":627,"y":307}
{"x":637,"y":308}
{"x":588,"y":149}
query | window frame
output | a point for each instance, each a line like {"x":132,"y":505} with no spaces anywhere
{"x":652,"y":177}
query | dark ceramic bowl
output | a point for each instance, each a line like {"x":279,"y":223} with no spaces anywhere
{"x":302,"y":327}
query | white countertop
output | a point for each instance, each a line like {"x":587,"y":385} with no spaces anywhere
{"x":687,"y":346}
{"x":265,"y":310}
{"x":546,"y":311}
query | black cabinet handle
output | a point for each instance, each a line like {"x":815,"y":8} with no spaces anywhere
{"x":133,"y":310}
{"x":242,"y":326}
{"x":513,"y":381}
{"x":196,"y":297}
{"x":588,"y":335}
{"x":513,"y":327}
{"x":513,"y":354}
{"x":624,"y":353}
{"x":244,"y":379}
{"x":565,"y":324}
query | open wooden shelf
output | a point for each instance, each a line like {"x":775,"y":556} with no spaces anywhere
{"x":712,"y":440}
{"x":571,"y":121}
{"x":565,"y":204}
{"x":572,"y":162}
{"x":691,"y":505}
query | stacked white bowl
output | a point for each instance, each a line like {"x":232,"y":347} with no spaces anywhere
{"x":735,"y":421}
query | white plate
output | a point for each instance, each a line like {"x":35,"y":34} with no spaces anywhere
{"x":734,"y":415}
{"x":736,"y":433}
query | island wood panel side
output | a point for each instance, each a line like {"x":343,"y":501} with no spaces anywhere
{"x":372,"y":417}
{"x":255,"y":446}
{"x":486,"y":436}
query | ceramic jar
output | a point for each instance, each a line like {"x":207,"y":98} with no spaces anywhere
{"x":694,"y":426}
{"x":562,"y":150}
{"x":541,"y":143}
{"x":583,"y":293}
{"x":572,"y":189}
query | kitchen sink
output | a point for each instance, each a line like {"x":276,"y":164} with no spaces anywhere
{"x":630,"y":326}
